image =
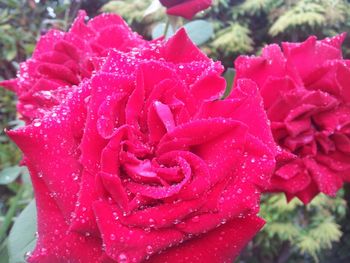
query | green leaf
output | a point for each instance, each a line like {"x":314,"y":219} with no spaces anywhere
{"x":158,"y":31}
{"x":9,"y":174}
{"x":22,"y":235}
{"x":4,"y":257}
{"x":10,"y":54}
{"x":15,"y":124}
{"x":25,"y":176}
{"x":229,"y":75}
{"x":200,"y":31}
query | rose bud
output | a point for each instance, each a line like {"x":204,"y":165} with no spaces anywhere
{"x":185,"y":8}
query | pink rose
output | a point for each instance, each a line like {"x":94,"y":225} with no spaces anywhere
{"x":63,"y":59}
{"x":185,"y":8}
{"x":306,"y":93}
{"x":144,"y":162}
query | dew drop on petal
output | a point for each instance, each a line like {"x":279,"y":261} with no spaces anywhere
{"x":149,"y":249}
{"x":122,"y":258}
{"x":195,"y":219}
{"x":37,"y":124}
{"x":115,"y":215}
{"x":27,"y":255}
{"x":222,"y":200}
{"x":151,"y":222}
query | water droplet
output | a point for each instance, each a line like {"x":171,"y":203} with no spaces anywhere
{"x":75,"y":176}
{"x":195,"y":219}
{"x":149,"y":249}
{"x":122,"y":258}
{"x":112,"y":237}
{"x":115,"y":215}
{"x":222,"y":200}
{"x":151,"y":222}
{"x":37,"y":124}
{"x":27,"y":254}
{"x":176,"y":221}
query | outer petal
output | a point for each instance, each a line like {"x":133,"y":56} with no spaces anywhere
{"x":55,"y":243}
{"x":272,"y":64}
{"x":127,"y":243}
{"x":251,"y":111}
{"x":187,"y":53}
{"x":220,"y":245}
{"x":316,"y":52}
{"x":51,"y":145}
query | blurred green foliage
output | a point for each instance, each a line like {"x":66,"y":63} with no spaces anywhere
{"x":293,"y":233}
{"x":21,"y":23}
{"x":246,"y":26}
{"x":255,"y":23}
{"x":136,"y":14}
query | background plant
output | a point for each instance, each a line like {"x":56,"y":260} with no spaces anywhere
{"x":294,"y":233}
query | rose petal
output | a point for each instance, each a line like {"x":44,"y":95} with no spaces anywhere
{"x":220,"y":245}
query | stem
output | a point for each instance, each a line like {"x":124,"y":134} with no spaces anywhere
{"x":166,"y":28}
{"x":10,"y":213}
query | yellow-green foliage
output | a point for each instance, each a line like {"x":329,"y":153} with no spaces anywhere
{"x":254,"y":7}
{"x":318,"y":238}
{"x":310,"y":229}
{"x":285,"y":231}
{"x":233,"y":39}
{"x":304,"y":14}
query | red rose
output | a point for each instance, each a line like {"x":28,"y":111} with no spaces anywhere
{"x":185,"y":8}
{"x":143,"y":162}
{"x":306,"y":93}
{"x":63,"y":59}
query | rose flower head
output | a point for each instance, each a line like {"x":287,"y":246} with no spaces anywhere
{"x":185,"y":8}
{"x":306,"y":92}
{"x":63,"y":59}
{"x":143,"y":162}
